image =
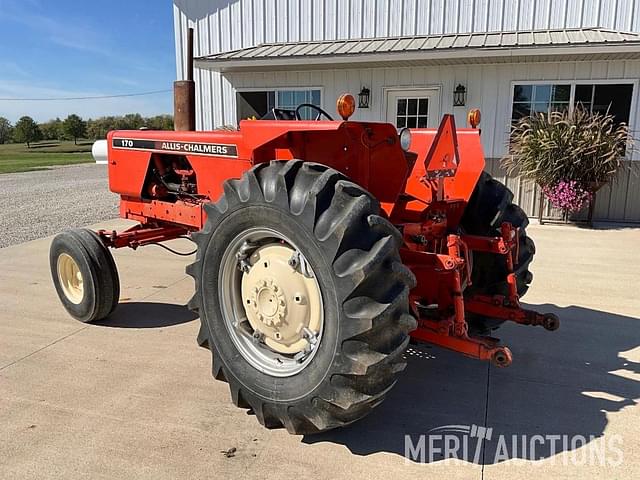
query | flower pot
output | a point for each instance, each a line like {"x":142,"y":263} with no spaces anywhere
{"x":593,"y":188}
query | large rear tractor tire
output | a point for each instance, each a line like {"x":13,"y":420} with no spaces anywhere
{"x":302,"y":296}
{"x":84,"y":275}
{"x":490,"y":205}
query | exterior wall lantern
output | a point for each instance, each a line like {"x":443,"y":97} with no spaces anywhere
{"x":363,"y":98}
{"x":460,"y":96}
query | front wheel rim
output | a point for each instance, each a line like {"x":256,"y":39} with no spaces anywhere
{"x":271,"y":302}
{"x":70,"y":278}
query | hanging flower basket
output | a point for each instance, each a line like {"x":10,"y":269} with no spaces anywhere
{"x":570,"y":155}
{"x":567,"y":195}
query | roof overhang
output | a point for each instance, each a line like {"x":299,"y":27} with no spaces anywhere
{"x":589,"y":44}
{"x":469,"y":56}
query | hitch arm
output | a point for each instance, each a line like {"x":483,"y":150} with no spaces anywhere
{"x":140,"y":235}
{"x":500,"y":307}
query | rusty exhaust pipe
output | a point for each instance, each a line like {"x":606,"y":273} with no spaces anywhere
{"x":184,"y":94}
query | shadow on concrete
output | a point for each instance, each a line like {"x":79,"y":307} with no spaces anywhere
{"x":147,"y":315}
{"x":561,"y":383}
{"x":582,"y":224}
{"x":612,"y":226}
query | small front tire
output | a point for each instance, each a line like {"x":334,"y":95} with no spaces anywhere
{"x":84,"y":275}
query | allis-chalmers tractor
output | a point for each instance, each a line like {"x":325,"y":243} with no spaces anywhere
{"x":323,"y":248}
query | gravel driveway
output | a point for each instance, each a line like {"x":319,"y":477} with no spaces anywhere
{"x":40,"y":203}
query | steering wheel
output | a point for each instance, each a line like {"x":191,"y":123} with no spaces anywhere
{"x":319,"y":112}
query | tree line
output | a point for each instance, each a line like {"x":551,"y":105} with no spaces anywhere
{"x":27,"y":130}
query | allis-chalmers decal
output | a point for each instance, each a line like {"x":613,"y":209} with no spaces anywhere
{"x":215,"y":149}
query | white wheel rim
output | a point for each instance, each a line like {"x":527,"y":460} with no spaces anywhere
{"x":273,"y":310}
{"x":70,"y":278}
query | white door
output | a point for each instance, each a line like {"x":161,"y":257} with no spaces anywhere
{"x":414,"y":108}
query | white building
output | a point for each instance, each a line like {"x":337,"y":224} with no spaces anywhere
{"x":511,"y":56}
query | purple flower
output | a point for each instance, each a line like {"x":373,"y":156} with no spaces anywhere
{"x":567,"y":195}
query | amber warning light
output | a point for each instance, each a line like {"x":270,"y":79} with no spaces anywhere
{"x":346,"y":106}
{"x":474,"y":117}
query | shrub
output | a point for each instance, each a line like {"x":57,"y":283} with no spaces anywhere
{"x":578,"y":146}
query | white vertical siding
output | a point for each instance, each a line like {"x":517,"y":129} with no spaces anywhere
{"x":223,"y":25}
{"x":489,"y":88}
{"x":234,"y":24}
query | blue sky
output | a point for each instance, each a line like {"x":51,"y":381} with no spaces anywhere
{"x":65,"y":48}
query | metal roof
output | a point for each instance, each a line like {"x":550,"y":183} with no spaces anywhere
{"x":429,"y":49}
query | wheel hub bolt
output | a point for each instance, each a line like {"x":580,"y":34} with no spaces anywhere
{"x":258,"y":336}
{"x":268,"y":302}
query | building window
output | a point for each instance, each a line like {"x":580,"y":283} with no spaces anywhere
{"x":614,"y":98}
{"x":256,"y":104}
{"x":290,"y":99}
{"x":529,"y":99}
{"x":412,"y":112}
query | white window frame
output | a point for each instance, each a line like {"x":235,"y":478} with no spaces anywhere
{"x":572,"y":95}
{"x":276,"y":90}
{"x":301,"y":89}
{"x":393,"y":88}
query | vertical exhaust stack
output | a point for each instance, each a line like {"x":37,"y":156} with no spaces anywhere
{"x":184,"y":94}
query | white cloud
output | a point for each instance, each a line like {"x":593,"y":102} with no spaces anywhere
{"x":76,"y":34}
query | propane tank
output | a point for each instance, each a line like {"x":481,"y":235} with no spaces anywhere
{"x":99,"y":152}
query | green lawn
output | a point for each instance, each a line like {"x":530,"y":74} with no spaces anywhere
{"x":16,"y":157}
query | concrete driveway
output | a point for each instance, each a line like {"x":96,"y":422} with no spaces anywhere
{"x":134,"y":397}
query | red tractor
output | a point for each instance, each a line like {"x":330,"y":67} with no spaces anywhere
{"x":323,"y":248}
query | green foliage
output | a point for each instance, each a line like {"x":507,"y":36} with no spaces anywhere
{"x":561,"y":146}
{"x":131,"y":121}
{"x":52,"y":130}
{"x":6,"y":130}
{"x":74,"y":127}
{"x":159,"y":122}
{"x":27,"y":131}
{"x":98,"y":128}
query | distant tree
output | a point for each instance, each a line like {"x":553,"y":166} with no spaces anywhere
{"x":97,"y":128}
{"x":27,"y":131}
{"x":52,"y":130}
{"x":160,"y":122}
{"x":94,"y":131}
{"x":74,"y":127}
{"x":131,"y":121}
{"x":6,"y":130}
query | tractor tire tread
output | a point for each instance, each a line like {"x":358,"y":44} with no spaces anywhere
{"x":490,"y":205}
{"x":104,"y":284}
{"x":371,"y":283}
